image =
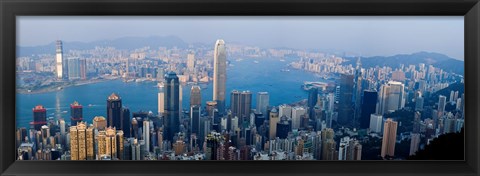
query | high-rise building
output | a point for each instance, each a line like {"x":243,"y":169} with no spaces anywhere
{"x":240,"y":104}
{"x":419,"y":104}
{"x":357,"y":93}
{"x":73,"y":68}
{"x":76,"y":113}
{"x":195,"y":119}
{"x":39,"y":117}
{"x":114,"y":111}
{"x":219,"y":75}
{"x":81,"y":142}
{"x":107,"y":143}
{"x":283,"y":128}
{"x":99,"y":123}
{"x":414,"y":143}
{"x":172,"y":103}
{"x":195,"y":96}
{"x":442,"y":102}
{"x":274,"y":119}
{"x":389,"y":138}
{"x":369,"y":104}
{"x":329,"y":151}
{"x":285,"y":110}
{"x":59,"y":68}
{"x":312,"y":101}
{"x":120,"y":145}
{"x":391,"y":97}
{"x":297,"y":114}
{"x":161,"y":98}
{"x":83,"y":69}
{"x":191,"y":62}
{"x":126,"y":122}
{"x":146,"y":134}
{"x":262,"y":102}
{"x":345,"y":108}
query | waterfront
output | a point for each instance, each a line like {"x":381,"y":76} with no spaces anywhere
{"x":263,"y":75}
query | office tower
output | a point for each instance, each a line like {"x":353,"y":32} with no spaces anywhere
{"x":297,"y":114}
{"x":442,"y":102}
{"x":369,"y":104}
{"x":195,"y":119}
{"x":73,"y":68}
{"x":180,"y":100}
{"x":211,"y":107}
{"x":285,"y":110}
{"x":329,"y":145}
{"x":414,"y":143}
{"x":191,"y":62}
{"x":389,"y":138}
{"x":81,"y":142}
{"x":45,"y":134}
{"x":283,"y":128}
{"x":120,"y":145}
{"x":345,"y":109}
{"x":126,"y":122}
{"x":172,"y":102}
{"x":195,"y":96}
{"x":274,"y":119}
{"x":219,"y":75}
{"x":312,"y":101}
{"x":458,"y":104}
{"x":76,"y":113}
{"x":391,"y":97}
{"x":114,"y":111}
{"x":262,"y":102}
{"x":355,"y":150}
{"x":419,"y":104}
{"x":161,"y":98}
{"x":330,"y":102}
{"x":376,"y":121}
{"x":39,"y":117}
{"x":240,"y":104}
{"x":83,"y":69}
{"x":452,"y":93}
{"x":99,"y":123}
{"x":357,"y":93}
{"x":59,"y":70}
{"x":146,"y":134}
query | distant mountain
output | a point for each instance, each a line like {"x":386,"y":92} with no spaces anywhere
{"x":120,"y":43}
{"x":438,"y":60}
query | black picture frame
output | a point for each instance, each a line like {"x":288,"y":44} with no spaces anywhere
{"x":9,"y":9}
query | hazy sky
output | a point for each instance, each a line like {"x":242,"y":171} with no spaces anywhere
{"x":366,"y":36}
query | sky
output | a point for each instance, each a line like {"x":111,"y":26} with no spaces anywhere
{"x":358,"y":35}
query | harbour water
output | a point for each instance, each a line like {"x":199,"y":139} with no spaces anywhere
{"x":245,"y":74}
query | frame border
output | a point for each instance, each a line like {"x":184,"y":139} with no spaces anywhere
{"x":9,"y":9}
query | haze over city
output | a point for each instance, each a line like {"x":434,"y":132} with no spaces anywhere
{"x":358,"y":36}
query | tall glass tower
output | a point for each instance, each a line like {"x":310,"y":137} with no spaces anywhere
{"x":219,"y":75}
{"x":172,"y":103}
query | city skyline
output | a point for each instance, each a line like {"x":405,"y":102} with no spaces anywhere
{"x":331,"y":34}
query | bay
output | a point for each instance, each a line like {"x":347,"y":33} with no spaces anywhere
{"x":255,"y":75}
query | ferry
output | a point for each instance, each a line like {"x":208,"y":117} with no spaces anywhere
{"x":284,"y":70}
{"x":255,"y":62}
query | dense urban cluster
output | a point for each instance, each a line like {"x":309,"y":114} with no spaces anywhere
{"x":367,"y":114}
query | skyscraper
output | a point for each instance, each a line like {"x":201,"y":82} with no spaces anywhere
{"x":312,"y":101}
{"x":195,"y":119}
{"x":345,"y":109}
{"x":191,"y":62}
{"x":329,"y":145}
{"x":73,"y":68}
{"x":172,"y":103}
{"x":391,"y":97}
{"x":376,"y":123}
{"x":83,"y":69}
{"x":357,"y":93}
{"x":262,"y":102}
{"x":442,"y":102}
{"x":161,"y":98}
{"x":195,"y":96}
{"x":369,"y":104}
{"x":297,"y":114}
{"x":389,"y":138}
{"x":114,"y":111}
{"x":240,"y":104}
{"x":59,"y":70}
{"x":99,"y":123}
{"x":81,"y":142}
{"x":126,"y":122}
{"x":39,"y":117}
{"x":219,"y":75}
{"x":76,"y":113}
{"x":146,"y":134}
{"x":414,"y":143}
{"x":274,"y":119}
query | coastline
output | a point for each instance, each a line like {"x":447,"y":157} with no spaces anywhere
{"x":54,"y":88}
